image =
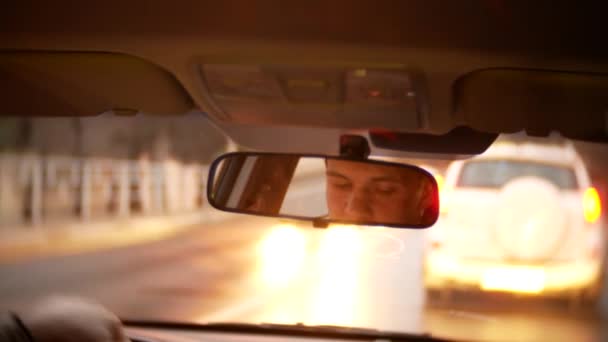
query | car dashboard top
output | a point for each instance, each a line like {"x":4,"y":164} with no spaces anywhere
{"x":164,"y":332}
{"x":152,"y":335}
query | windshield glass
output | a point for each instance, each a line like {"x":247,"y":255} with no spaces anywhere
{"x":114,"y":209}
{"x":496,"y":173}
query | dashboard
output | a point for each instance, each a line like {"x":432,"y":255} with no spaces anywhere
{"x":138,"y":334}
{"x":161,"y":335}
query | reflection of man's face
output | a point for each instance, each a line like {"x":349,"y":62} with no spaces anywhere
{"x":362,"y":192}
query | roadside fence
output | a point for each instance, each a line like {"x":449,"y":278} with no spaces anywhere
{"x":36,"y":189}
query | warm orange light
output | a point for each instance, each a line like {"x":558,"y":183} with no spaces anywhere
{"x":336,"y":291}
{"x":514,"y":279}
{"x":282,"y":253}
{"x":592,"y":207}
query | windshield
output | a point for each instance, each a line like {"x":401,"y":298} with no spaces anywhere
{"x":496,"y":173}
{"x":114,"y":209}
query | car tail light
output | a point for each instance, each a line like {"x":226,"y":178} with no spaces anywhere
{"x":592,"y":206}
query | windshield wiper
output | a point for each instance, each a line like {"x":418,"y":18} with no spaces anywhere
{"x":316,"y":331}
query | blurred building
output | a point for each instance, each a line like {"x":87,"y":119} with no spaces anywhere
{"x":184,"y":138}
{"x":58,"y":169}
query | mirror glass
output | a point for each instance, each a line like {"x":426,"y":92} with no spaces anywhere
{"x":324,"y":189}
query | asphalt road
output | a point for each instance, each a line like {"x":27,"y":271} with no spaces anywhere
{"x":260,"y":270}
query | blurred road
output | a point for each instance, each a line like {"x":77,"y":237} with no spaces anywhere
{"x":261,"y":270}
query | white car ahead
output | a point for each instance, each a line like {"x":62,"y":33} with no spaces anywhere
{"x":520,"y":218}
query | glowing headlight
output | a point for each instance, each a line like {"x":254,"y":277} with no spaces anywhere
{"x":282,"y":253}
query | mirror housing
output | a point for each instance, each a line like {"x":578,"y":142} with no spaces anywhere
{"x":324,"y":190}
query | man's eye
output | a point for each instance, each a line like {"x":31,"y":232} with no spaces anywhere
{"x":341,"y":185}
{"x":385,"y":189}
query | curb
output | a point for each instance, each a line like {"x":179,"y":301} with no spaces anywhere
{"x":72,"y":238}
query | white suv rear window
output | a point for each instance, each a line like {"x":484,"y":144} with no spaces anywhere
{"x":496,"y":173}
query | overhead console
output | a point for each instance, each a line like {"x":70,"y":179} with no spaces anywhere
{"x":315,"y":96}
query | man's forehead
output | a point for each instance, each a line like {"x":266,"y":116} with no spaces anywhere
{"x":347,"y":167}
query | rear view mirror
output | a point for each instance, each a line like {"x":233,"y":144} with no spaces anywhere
{"x":324,"y":189}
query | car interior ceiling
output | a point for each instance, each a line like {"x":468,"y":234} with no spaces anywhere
{"x":474,"y":60}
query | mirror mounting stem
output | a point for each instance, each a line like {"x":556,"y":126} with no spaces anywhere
{"x":320,"y":222}
{"x":354,"y":147}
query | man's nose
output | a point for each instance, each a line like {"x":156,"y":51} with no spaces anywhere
{"x":358,"y":206}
